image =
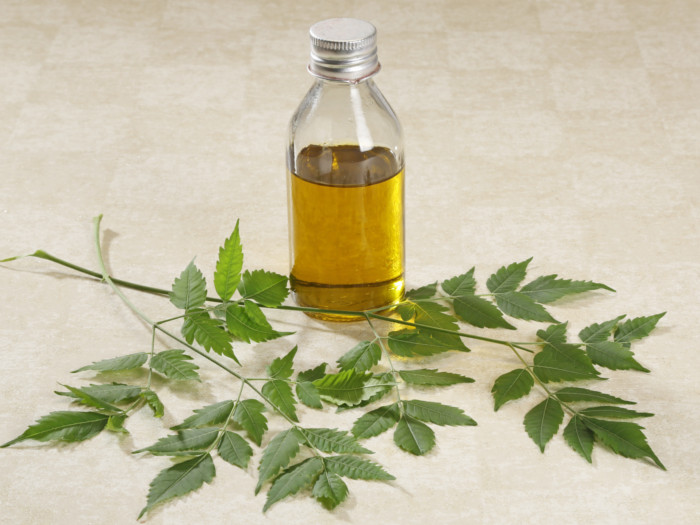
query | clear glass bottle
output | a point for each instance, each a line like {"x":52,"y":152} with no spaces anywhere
{"x":345,"y":165}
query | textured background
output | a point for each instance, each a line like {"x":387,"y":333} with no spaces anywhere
{"x":564,"y":130}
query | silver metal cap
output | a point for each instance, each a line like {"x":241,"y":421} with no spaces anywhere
{"x":343,"y":49}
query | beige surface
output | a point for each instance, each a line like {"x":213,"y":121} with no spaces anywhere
{"x":564,"y":130}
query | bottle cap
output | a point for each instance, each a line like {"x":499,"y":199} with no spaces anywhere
{"x":343,"y":49}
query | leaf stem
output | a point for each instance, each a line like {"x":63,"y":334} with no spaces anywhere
{"x":386,"y":353}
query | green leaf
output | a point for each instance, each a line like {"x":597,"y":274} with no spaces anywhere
{"x":479,"y":312}
{"x":598,"y":332}
{"x":125,"y":362}
{"x":188,"y":442}
{"x":434,"y":314}
{"x":413,"y":436}
{"x":579,"y":437}
{"x":209,"y":332}
{"x":520,"y":306}
{"x":228,"y":267}
{"x":281,"y":367}
{"x":464,"y":284}
{"x":334,"y":440}
{"x":636,"y":328}
{"x":280,"y":394}
{"x":175,"y":364}
{"x":277,"y":455}
{"x":542,"y":422}
{"x":507,"y":278}
{"x":361,"y":357}
{"x":308,"y":394}
{"x":248,"y":323}
{"x":234,"y":449}
{"x":294,"y":479}
{"x":424,"y":292}
{"x":613,"y":355}
{"x":624,"y":438}
{"x":115,"y":423}
{"x":511,"y":385}
{"x":330,"y":490}
{"x":431,"y":377}
{"x":354,"y":467}
{"x":266,"y":288}
{"x":559,"y":361}
{"x":375,"y":388}
{"x":109,"y":393}
{"x":313,"y":374}
{"x":154,"y":402}
{"x":410,"y":342}
{"x":548,"y":288}
{"x":93,"y":401}
{"x":437,"y":413}
{"x":346,"y":387}
{"x":180,"y":479}
{"x":376,"y":421}
{"x":63,"y":426}
{"x":210,"y":415}
{"x":190,"y":289}
{"x":249,"y":414}
{"x":614,"y":413}
{"x":572,"y":394}
{"x":407,"y":310}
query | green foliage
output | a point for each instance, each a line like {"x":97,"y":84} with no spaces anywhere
{"x":153,"y":401}
{"x":437,"y":413}
{"x":175,"y":364}
{"x":412,"y":342}
{"x":330,"y":490}
{"x":376,"y":421}
{"x":180,"y":479}
{"x":308,"y":394}
{"x":464,"y":284}
{"x":313,"y":374}
{"x":333,"y":440}
{"x":507,"y":278}
{"x":624,"y":438}
{"x":572,"y":394}
{"x":115,"y":364}
{"x":579,"y":437}
{"x":615,"y":355}
{"x":234,"y":449}
{"x":229,"y":266}
{"x":560,"y":361}
{"x":266,"y":288}
{"x":92,"y":401}
{"x":249,"y":414}
{"x":361,"y":357}
{"x":424,"y":292}
{"x":480,"y":312}
{"x":188,"y":442}
{"x":281,"y":367}
{"x":346,"y":387}
{"x":548,"y":288}
{"x":108,"y":393}
{"x":521,"y":306}
{"x":207,"y":331}
{"x":431,"y":377}
{"x":190,"y":289}
{"x":413,"y":436}
{"x":210,"y":415}
{"x":280,"y":394}
{"x":248,"y":323}
{"x":607,"y":412}
{"x":636,"y":328}
{"x":277,"y":455}
{"x":542,"y":422}
{"x":63,"y":426}
{"x":355,"y":467}
{"x":293,"y":479}
{"x":511,"y":385}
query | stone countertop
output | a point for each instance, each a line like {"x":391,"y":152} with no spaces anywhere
{"x":568,"y":131}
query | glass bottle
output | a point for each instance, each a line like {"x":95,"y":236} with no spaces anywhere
{"x":345,"y":165}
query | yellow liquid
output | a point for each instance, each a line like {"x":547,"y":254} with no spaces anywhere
{"x":346,"y":229}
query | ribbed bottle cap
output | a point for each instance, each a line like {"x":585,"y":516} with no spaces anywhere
{"x":343,"y":49}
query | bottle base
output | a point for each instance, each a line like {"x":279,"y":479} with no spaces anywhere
{"x":337,"y":299}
